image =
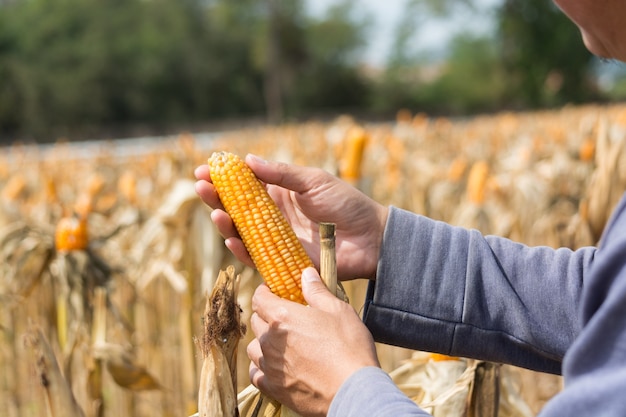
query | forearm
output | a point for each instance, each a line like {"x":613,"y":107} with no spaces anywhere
{"x":451,"y":290}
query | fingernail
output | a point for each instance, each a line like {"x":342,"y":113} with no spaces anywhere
{"x":310,"y":275}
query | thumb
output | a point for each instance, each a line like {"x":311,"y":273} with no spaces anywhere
{"x":314,"y":290}
{"x":289,"y":176}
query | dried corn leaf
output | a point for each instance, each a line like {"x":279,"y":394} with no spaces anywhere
{"x":253,"y":403}
{"x":123,"y":367}
{"x":605,"y":187}
{"x":25,"y":254}
{"x":61,"y":401}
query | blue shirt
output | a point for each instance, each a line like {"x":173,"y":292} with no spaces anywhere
{"x":454,"y":291}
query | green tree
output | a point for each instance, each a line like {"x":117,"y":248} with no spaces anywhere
{"x":236,"y":69}
{"x":329,"y":77}
{"x":79,"y":66}
{"x":535,"y":58}
{"x":471,"y":80}
{"x":543,"y":54}
{"x":404,"y":83}
{"x":415,"y":14}
{"x":75,"y":64}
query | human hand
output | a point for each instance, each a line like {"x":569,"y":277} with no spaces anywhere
{"x":302,"y":355}
{"x":308,"y":196}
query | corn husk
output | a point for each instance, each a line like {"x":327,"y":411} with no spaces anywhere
{"x":25,"y":254}
{"x":223,"y":329}
{"x":451,"y":387}
{"x":607,"y":185}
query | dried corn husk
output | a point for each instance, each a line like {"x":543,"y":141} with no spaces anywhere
{"x":123,"y":367}
{"x":25,"y":254}
{"x":439,"y":387}
{"x":253,"y":403}
{"x":223,"y":329}
{"x":606,"y":185}
{"x":459,"y":387}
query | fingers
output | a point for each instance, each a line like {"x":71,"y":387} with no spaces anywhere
{"x":272,"y":309}
{"x":254,"y":351}
{"x":202,"y":172}
{"x":292,"y":177}
{"x":236,"y":246}
{"x":232,"y":240}
{"x":205,"y":189}
{"x":256,"y":375}
{"x":315,"y":291}
{"x":255,"y":354}
{"x":223,"y":222}
{"x":258,"y":325}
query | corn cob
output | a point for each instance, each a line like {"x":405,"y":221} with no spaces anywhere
{"x":587,"y":150}
{"x":476,"y":182}
{"x":71,"y":234}
{"x":270,"y":240}
{"x":350,"y":169}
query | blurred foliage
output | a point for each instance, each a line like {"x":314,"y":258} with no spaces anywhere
{"x":74,"y":63}
{"x":78,"y":67}
{"x":70,"y":66}
{"x":543,"y":54}
{"x":330,"y":77}
{"x":470,"y":79}
{"x":618,"y":89}
{"x":535,"y":58}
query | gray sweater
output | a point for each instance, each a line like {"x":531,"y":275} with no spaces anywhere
{"x":451,"y":290}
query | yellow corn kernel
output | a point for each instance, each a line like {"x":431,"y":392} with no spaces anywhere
{"x":270,"y":240}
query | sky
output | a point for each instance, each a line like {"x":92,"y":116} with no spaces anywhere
{"x":432,"y":35}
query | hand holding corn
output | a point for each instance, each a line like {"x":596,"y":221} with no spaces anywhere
{"x":302,"y":355}
{"x":307,"y":196}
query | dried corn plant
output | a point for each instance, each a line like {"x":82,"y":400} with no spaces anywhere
{"x":448,"y":387}
{"x":541,"y":178}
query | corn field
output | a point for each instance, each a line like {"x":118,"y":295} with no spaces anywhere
{"x":108,"y":256}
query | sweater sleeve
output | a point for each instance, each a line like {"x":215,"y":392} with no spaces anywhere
{"x":452,"y":290}
{"x":589,"y":322}
{"x":594,"y":367}
{"x":371,"y":392}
